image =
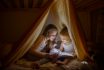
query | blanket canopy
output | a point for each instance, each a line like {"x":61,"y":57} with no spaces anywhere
{"x":60,"y":12}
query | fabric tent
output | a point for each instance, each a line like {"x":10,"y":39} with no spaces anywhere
{"x":63,"y":13}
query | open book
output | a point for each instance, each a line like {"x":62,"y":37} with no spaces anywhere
{"x":59,"y":53}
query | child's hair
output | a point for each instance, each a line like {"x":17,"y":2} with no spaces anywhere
{"x":49,"y":29}
{"x":52,"y":30}
{"x":64,"y":32}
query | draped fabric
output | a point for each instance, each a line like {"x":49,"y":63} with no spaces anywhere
{"x":77,"y":35}
{"x":31,"y":37}
{"x":25,"y":46}
{"x":63,"y":13}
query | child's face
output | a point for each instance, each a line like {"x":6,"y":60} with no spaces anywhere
{"x":64,"y":39}
{"x":52,"y":35}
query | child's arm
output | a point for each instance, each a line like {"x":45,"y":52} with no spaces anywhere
{"x":53,"y":46}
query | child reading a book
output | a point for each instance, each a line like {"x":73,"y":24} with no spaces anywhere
{"x":67,"y":48}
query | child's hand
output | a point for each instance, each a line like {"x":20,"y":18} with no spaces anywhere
{"x":53,"y":46}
